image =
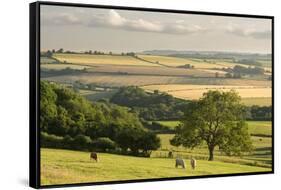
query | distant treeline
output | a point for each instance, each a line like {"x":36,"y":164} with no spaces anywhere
{"x":68,"y":120}
{"x":162,"y":106}
{"x":237,"y":71}
{"x":259,"y":113}
{"x":49,"y":53}
{"x":235,"y":57}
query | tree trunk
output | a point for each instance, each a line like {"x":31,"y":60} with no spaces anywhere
{"x":211,"y":153}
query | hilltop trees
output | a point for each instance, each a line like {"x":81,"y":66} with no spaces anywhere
{"x":150,"y":106}
{"x":217,"y":119}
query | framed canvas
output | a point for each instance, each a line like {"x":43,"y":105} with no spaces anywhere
{"x":123,"y":94}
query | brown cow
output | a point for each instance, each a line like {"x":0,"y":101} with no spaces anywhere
{"x":94,"y":156}
{"x":170,"y":155}
{"x":193,"y":163}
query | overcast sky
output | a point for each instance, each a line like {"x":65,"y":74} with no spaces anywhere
{"x":79,"y":29}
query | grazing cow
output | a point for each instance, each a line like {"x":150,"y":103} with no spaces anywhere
{"x":180,"y":162}
{"x":94,"y":156}
{"x":193,"y":163}
{"x":170,"y":155}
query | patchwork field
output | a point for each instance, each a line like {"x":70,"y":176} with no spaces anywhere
{"x":63,"y":66}
{"x":193,"y":92}
{"x":64,"y":166}
{"x":108,"y":79}
{"x":91,"y":60}
{"x":152,"y":71}
{"x":175,"y":62}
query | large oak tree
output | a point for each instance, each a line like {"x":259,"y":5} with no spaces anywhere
{"x":218,"y":120}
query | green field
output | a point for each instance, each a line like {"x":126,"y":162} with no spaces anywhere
{"x":261,"y":156}
{"x":263,"y":128}
{"x":61,"y":66}
{"x":47,"y":60}
{"x":64,"y":166}
{"x":170,"y":124}
{"x":260,"y":127}
{"x":261,"y":132}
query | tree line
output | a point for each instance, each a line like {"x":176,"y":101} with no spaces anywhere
{"x":49,"y":53}
{"x":68,"y":120}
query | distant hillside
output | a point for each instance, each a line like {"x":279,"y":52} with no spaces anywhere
{"x":209,"y":54}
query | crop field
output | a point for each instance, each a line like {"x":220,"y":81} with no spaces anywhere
{"x":92,"y":60}
{"x":108,"y":79}
{"x":175,"y":62}
{"x":65,"y":166}
{"x":193,"y":92}
{"x":63,"y":66}
{"x":155,"y":71}
{"x":262,"y":101}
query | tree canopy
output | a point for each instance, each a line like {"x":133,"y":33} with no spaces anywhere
{"x":217,"y":119}
{"x":64,"y":113}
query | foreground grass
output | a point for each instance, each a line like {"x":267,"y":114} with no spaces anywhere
{"x":64,"y":166}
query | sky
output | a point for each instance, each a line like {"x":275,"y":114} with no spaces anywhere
{"x":81,"y":29}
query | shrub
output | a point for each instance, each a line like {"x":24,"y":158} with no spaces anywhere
{"x":67,"y":142}
{"x":81,"y":142}
{"x":51,"y":141}
{"x":104,"y":144}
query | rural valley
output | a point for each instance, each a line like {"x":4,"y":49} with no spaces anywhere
{"x":93,"y":100}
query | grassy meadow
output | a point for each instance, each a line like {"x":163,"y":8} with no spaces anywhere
{"x":65,"y":166}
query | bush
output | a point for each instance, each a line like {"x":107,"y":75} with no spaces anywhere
{"x":51,"y":141}
{"x":104,"y":144}
{"x":82,"y":142}
{"x":67,"y":142}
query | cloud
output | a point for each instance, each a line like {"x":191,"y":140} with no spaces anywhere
{"x":252,"y":33}
{"x":114,"y":20}
{"x":61,"y":19}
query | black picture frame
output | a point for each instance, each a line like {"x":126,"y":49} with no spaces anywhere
{"x":34,"y":97}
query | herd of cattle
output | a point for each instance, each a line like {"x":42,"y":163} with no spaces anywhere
{"x":179,"y":161}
